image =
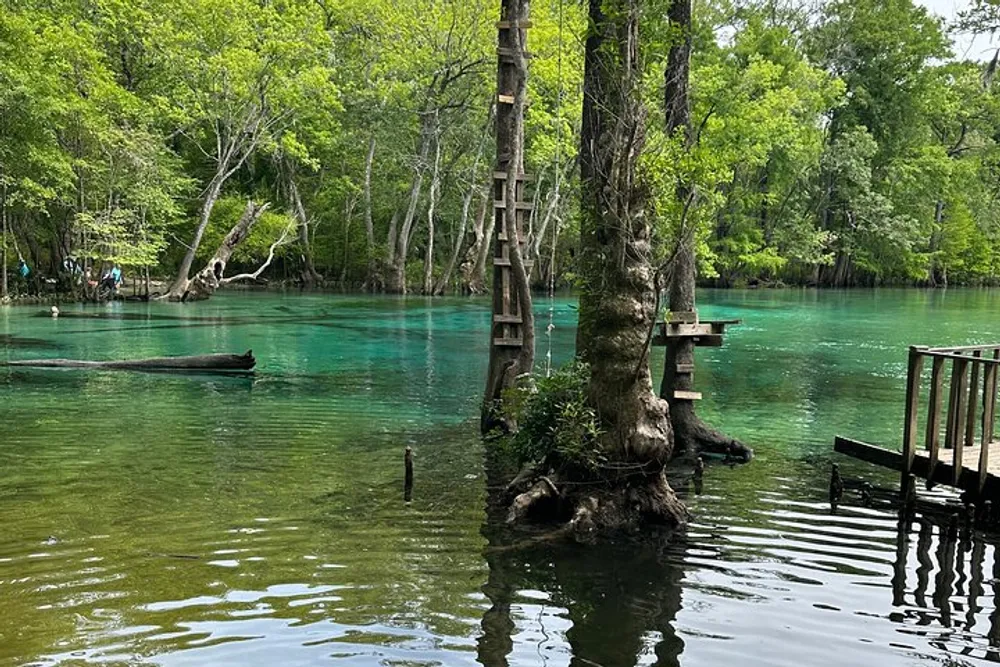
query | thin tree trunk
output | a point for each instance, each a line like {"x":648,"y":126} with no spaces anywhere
{"x":432,"y":200}
{"x":693,"y":435}
{"x":3,"y":244}
{"x":371,"y":278}
{"x":456,"y":248}
{"x":397,"y":273}
{"x":473,"y":268}
{"x":935,"y":275}
{"x":348,"y":215}
{"x":309,"y":274}
{"x":508,"y":364}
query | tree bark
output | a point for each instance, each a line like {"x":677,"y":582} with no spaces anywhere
{"x":372,"y":279}
{"x":474,"y":265}
{"x":204,"y":284}
{"x":692,"y":434}
{"x":3,"y":244}
{"x":617,"y":296}
{"x":509,"y":364}
{"x":397,"y":257}
{"x":348,"y":216}
{"x":310,"y":277}
{"x":432,"y":200}
{"x":181,"y":282}
{"x":456,"y":248}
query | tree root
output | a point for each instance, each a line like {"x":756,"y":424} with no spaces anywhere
{"x":693,"y":437}
{"x":587,"y":510}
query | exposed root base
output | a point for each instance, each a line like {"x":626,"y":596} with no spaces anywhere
{"x":585,"y":511}
{"x":693,"y":437}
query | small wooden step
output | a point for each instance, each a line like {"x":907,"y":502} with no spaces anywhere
{"x":506,"y":25}
{"x":502,"y":176}
{"x":508,"y":342}
{"x":684,"y":317}
{"x":520,"y":206}
{"x":509,"y":54}
{"x":507,"y":319}
{"x":685,"y":369}
{"x":503,"y":261}
{"x":687,"y":395}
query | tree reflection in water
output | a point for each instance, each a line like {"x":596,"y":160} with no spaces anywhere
{"x":616,"y":603}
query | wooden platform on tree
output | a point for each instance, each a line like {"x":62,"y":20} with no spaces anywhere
{"x":706,"y":333}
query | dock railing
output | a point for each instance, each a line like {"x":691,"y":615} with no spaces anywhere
{"x":968,"y":375}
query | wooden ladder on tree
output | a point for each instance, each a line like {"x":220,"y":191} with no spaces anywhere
{"x":506,"y":331}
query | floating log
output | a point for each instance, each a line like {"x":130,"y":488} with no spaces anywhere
{"x":203,"y":362}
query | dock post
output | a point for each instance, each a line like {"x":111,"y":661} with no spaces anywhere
{"x":408,"y":475}
{"x":914,"y":367}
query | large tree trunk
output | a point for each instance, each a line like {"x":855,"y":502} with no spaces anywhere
{"x":617,"y":298}
{"x":512,"y":343}
{"x":629,"y":486}
{"x":204,"y":284}
{"x":692,"y":434}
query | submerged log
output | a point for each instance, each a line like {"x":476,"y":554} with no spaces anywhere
{"x":203,"y":362}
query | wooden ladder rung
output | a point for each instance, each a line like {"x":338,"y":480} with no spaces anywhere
{"x":507,"y":342}
{"x":684,"y":317}
{"x":503,"y":237}
{"x":685,"y":369}
{"x":520,"y":206}
{"x":507,"y":319}
{"x":505,"y":25}
{"x":504,"y":261}
{"x":687,"y":395}
{"x":502,"y":176}
{"x":505,"y":99}
{"x":504,"y":52}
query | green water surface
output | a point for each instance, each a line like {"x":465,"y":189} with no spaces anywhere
{"x":205,"y":520}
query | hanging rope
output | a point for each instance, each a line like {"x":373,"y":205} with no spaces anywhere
{"x":555,"y":222}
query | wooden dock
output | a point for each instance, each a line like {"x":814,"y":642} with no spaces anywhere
{"x":959,"y":450}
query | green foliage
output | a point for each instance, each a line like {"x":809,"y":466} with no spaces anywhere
{"x":555,"y":424}
{"x":842,"y":145}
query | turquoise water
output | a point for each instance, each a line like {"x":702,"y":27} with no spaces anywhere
{"x":197,"y":519}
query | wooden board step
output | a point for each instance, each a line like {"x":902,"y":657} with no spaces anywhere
{"x":505,"y":99}
{"x":684,"y":317}
{"x":502,"y":176}
{"x":687,"y":395}
{"x":507,"y":319}
{"x":503,"y":237}
{"x":504,"y":261}
{"x":508,"y":342}
{"x":520,"y":206}
{"x":506,"y":53}
{"x":506,"y":25}
{"x":685,"y":369}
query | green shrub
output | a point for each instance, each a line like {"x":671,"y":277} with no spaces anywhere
{"x":555,"y":424}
